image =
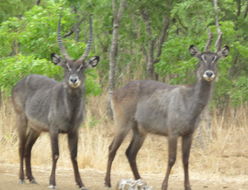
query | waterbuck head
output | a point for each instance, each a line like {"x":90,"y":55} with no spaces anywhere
{"x":74,"y":69}
{"x":207,"y":69}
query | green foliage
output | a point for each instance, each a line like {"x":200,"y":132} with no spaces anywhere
{"x":192,"y":18}
{"x":175,"y":61}
{"x":15,"y":68}
{"x":31,"y":39}
{"x":28,"y":37}
{"x":239,"y":91}
{"x":92,"y":84}
{"x":193,"y":15}
{"x":35,"y":33}
{"x":9,"y":8}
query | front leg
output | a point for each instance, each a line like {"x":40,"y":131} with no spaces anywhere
{"x":73,"y":143}
{"x":55,"y":157}
{"x":172,"y":153}
{"x":186,"y":145}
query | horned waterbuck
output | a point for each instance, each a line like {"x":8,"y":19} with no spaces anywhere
{"x":43,"y":104}
{"x":148,"y":106}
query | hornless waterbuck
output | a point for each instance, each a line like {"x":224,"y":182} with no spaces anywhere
{"x":43,"y":104}
{"x":148,"y":106}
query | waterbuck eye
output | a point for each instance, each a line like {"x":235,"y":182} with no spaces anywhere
{"x":203,"y":59}
{"x":68,"y":67}
{"x":214,"y":59}
{"x":80,"y":68}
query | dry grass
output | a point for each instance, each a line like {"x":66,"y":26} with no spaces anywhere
{"x":223,"y":152}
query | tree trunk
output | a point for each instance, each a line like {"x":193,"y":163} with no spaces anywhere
{"x":150,"y":61}
{"x":77,"y":29}
{"x":238,"y":2}
{"x":0,"y":98}
{"x":246,"y":10}
{"x":150,"y":45}
{"x":117,"y":12}
{"x":154,"y":45}
{"x":114,"y":45}
{"x":38,"y":2}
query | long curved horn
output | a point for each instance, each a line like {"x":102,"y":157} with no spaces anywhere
{"x":88,"y":46}
{"x":218,"y":42}
{"x":210,"y":38}
{"x":60,"y":42}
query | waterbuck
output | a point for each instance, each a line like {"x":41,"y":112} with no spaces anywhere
{"x":43,"y":104}
{"x":148,"y":106}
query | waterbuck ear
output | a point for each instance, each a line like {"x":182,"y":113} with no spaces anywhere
{"x":194,"y":51}
{"x":223,"y":52}
{"x":56,"y":59}
{"x":92,"y":62}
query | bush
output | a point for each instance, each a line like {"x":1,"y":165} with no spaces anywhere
{"x":13,"y":69}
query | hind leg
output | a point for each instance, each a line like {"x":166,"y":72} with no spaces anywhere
{"x":31,"y":138}
{"x":118,"y":139}
{"x":123,"y":128}
{"x":21,"y":127}
{"x":133,"y":149}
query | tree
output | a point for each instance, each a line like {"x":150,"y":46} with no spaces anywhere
{"x":118,"y":9}
{"x":117,"y":14}
{"x":155,"y":42}
{"x":152,"y":40}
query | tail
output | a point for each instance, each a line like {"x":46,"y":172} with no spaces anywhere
{"x":110,"y":105}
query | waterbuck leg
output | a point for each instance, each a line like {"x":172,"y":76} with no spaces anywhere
{"x":132,"y":151}
{"x":31,"y":138}
{"x":55,"y":157}
{"x":112,"y":152}
{"x":172,"y":144}
{"x":22,"y":127}
{"x":186,"y":145}
{"x":73,"y":143}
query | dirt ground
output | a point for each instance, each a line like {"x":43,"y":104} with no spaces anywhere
{"x":93,"y":179}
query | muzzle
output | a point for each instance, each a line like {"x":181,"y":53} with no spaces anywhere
{"x":208,"y":75}
{"x":74,"y":81}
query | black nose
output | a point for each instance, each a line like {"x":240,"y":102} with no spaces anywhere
{"x":73,"y":79}
{"x":209,"y":73}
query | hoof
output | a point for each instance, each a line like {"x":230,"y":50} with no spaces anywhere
{"x":21,"y":181}
{"x":107,"y":185}
{"x":83,"y":188}
{"x":52,"y":187}
{"x":32,"y":181}
{"x":187,"y":187}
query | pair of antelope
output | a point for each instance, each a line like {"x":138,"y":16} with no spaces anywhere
{"x":145,"y":106}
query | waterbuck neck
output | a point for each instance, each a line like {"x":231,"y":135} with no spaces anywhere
{"x":72,"y":98}
{"x":201,"y":93}
{"x":73,"y":92}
